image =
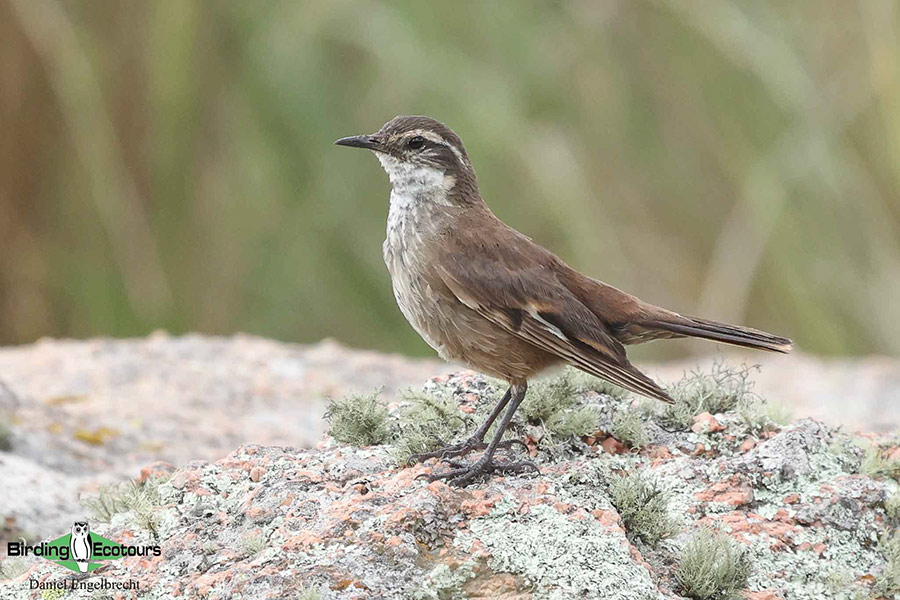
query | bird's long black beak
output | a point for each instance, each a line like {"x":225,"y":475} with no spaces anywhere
{"x":360,"y":141}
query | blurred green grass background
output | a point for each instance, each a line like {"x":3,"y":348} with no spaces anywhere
{"x":169,"y":164}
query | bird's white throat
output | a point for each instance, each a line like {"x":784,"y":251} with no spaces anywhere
{"x":414,"y":184}
{"x":417,"y":192}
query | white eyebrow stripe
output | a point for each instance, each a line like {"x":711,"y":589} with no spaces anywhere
{"x":429,"y":135}
{"x":433,"y":137}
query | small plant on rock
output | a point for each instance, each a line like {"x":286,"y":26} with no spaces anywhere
{"x":712,"y":566}
{"x":309,"y":593}
{"x":425,"y":424}
{"x":628,"y":426}
{"x":643,"y":507}
{"x":572,"y":423}
{"x":547,"y":397}
{"x":892,"y":508}
{"x":584,"y":382}
{"x":141,"y":499}
{"x":10,"y":568}
{"x":5,"y":432}
{"x":554,"y":405}
{"x":888,"y":584}
{"x":253,"y":543}
{"x":359,"y":420}
{"x":876,"y":463}
{"x":759,"y":415}
{"x":721,"y":389}
{"x":443,"y":583}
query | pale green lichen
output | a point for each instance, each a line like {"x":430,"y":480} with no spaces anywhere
{"x":10,"y":568}
{"x":555,"y":405}
{"x":712,"y":566}
{"x":253,"y":543}
{"x":588,"y":383}
{"x":643,"y":507}
{"x":844,"y":449}
{"x":876,"y":463}
{"x":760,"y":415}
{"x":805,"y":575}
{"x":444,"y":583}
{"x":837,"y":581}
{"x":573,"y":422}
{"x":629,"y":425}
{"x":888,"y":582}
{"x":892,"y":508}
{"x":547,"y":397}
{"x":425,"y":423}
{"x":721,"y":389}
{"x":5,"y":432}
{"x":678,"y":416}
{"x":359,"y":420}
{"x":849,"y":548}
{"x":308,"y":593}
{"x":558,"y":556}
{"x":142,"y":499}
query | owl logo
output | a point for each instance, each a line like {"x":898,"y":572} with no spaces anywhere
{"x":80,"y":545}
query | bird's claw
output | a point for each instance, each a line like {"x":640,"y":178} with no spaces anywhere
{"x":508,"y":444}
{"x":451,"y":451}
{"x":464,"y":474}
{"x":458,"y":450}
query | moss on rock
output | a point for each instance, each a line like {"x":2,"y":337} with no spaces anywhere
{"x":712,"y":566}
{"x":357,"y":419}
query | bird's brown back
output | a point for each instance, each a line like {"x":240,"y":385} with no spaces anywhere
{"x":530,"y":293}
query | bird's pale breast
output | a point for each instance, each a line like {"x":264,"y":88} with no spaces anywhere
{"x":455,"y":331}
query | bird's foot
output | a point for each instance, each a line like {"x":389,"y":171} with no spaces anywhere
{"x":456,"y":450}
{"x":462,"y":474}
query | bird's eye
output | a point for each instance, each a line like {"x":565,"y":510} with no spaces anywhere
{"x":416,"y":143}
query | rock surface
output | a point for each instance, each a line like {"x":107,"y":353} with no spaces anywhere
{"x":861,"y":394}
{"x":342,"y":522}
{"x":84,"y":413}
{"x":115,"y":405}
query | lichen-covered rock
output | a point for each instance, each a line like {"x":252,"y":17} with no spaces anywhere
{"x":341,"y":522}
{"x":75,"y":415}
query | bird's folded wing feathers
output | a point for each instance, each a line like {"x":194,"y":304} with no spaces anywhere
{"x":532,"y":304}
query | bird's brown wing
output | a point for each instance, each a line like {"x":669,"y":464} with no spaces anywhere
{"x":521,"y":294}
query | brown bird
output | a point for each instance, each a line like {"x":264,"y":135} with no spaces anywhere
{"x":481,"y":293}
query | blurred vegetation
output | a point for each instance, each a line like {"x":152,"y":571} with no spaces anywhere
{"x":169,"y":164}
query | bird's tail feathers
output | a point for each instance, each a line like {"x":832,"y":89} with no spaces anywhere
{"x":720,"y":332}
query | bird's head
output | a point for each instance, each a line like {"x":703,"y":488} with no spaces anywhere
{"x":421,"y":153}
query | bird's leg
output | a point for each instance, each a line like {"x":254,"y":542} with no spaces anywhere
{"x":476,"y":442}
{"x":464,"y":474}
